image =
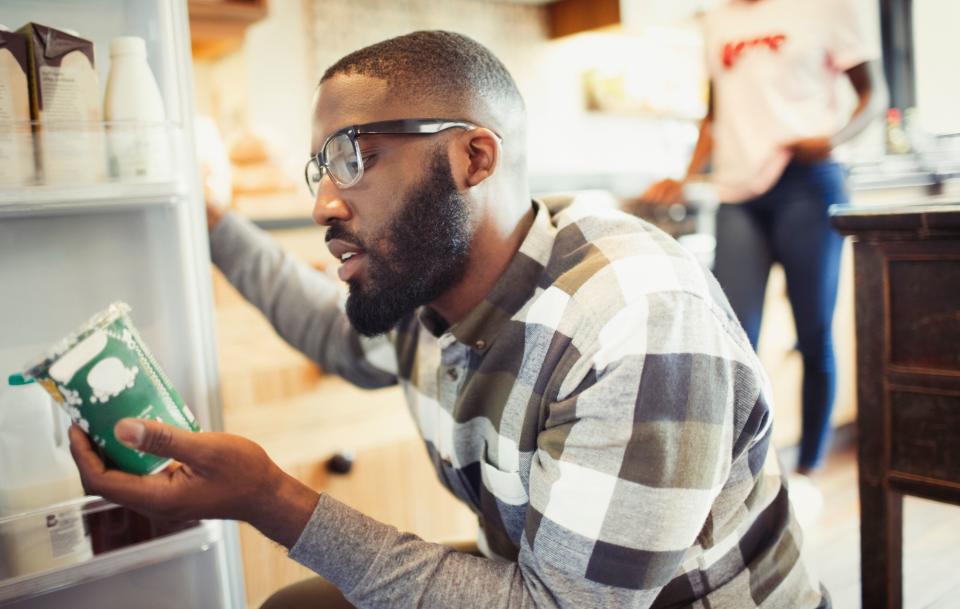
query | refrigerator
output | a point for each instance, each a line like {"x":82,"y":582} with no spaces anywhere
{"x":67,"y":250}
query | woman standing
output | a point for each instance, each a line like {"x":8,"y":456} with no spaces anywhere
{"x":770,"y":130}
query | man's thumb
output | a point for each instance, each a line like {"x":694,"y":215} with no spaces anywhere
{"x":154,"y":438}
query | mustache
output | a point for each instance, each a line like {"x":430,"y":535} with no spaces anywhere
{"x":337,"y":231}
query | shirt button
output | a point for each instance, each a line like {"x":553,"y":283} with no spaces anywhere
{"x":452,"y":373}
{"x":480,"y":345}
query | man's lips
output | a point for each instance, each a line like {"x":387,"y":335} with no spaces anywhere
{"x":351,"y":256}
{"x":350,"y":267}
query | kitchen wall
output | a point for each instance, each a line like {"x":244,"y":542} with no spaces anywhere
{"x":265,"y":86}
{"x":936,"y":48}
{"x":268,"y":84}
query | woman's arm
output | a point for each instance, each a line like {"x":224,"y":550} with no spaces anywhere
{"x":868,"y":82}
{"x":670,"y":191}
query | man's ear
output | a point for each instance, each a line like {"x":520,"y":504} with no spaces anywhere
{"x":483,"y":152}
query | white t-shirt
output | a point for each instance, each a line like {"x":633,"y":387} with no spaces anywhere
{"x":774,"y":65}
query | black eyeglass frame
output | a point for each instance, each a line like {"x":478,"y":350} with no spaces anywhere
{"x":407,"y":126}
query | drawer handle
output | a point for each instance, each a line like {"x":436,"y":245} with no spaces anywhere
{"x":341,"y":463}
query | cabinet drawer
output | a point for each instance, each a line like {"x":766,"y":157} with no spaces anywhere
{"x":925,"y":434}
{"x":924,"y":316}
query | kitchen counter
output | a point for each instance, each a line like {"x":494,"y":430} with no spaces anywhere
{"x":926,"y":218}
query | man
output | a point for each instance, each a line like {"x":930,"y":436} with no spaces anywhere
{"x":579,"y":379}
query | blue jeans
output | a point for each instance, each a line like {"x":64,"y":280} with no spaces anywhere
{"x":789,"y":224}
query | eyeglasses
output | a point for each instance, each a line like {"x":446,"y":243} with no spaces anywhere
{"x":340,"y":154}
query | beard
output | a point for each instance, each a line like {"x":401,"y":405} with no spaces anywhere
{"x":425,"y":253}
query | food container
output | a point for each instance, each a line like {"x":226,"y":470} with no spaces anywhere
{"x":104,"y":372}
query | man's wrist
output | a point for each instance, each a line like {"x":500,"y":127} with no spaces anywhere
{"x":285,"y":511}
{"x":214,"y":216}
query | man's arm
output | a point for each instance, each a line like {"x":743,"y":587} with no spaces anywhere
{"x":301,"y":303}
{"x":620,"y":487}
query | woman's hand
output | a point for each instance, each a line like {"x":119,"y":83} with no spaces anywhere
{"x":664,"y":192}
{"x":811,"y":150}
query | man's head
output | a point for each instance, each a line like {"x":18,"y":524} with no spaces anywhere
{"x":406,"y":210}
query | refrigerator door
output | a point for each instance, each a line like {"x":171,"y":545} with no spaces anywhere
{"x":66,"y":251}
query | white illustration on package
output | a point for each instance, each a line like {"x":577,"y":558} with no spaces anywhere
{"x":126,"y":337}
{"x":109,"y":377}
{"x":70,"y":396}
{"x":80,"y":355}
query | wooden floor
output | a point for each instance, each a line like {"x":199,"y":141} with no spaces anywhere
{"x":931,"y":543}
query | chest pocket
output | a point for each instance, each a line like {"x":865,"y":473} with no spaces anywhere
{"x":503,"y":503}
{"x":507,"y":487}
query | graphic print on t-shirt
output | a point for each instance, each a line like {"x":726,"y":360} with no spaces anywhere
{"x":733,"y":50}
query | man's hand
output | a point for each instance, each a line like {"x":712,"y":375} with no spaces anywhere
{"x":664,"y":192}
{"x":811,"y":150}
{"x":219,"y":475}
{"x":215,"y":208}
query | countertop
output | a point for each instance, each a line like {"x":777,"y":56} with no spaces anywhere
{"x":924,"y":217}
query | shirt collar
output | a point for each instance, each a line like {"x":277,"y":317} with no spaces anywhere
{"x":511,"y":291}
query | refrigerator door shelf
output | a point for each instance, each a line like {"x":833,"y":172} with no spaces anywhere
{"x":120,"y":540}
{"x":189,"y":581}
{"x":62,"y":200}
{"x":153,"y":146}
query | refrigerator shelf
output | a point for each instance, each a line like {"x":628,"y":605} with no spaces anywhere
{"x":119,"y":540}
{"x":55,"y":200}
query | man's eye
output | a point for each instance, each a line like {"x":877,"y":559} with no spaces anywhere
{"x":369,"y":159}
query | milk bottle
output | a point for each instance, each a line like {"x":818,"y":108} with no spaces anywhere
{"x":138,"y":147}
{"x":36,"y":473}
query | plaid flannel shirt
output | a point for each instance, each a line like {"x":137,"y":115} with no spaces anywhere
{"x":601,"y":412}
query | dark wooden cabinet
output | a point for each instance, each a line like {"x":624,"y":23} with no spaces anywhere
{"x":907,"y":299}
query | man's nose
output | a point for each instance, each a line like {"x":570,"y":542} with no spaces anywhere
{"x":329,"y":205}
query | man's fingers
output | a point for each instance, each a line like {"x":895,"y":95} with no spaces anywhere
{"x":144,"y":493}
{"x":159,"y":439}
{"x":88,"y":462}
{"x":114,"y":485}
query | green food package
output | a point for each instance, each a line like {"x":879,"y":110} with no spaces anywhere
{"x":103,"y":373}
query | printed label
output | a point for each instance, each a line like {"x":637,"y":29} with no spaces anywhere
{"x":67,"y":533}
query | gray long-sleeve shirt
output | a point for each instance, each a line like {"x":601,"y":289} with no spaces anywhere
{"x":601,"y":412}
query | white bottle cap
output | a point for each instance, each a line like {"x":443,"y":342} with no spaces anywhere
{"x":128,"y":45}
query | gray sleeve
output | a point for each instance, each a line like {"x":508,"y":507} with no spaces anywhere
{"x":301,"y":304}
{"x":378,"y":567}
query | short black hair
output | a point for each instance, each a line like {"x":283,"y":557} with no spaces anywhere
{"x":439,"y":65}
